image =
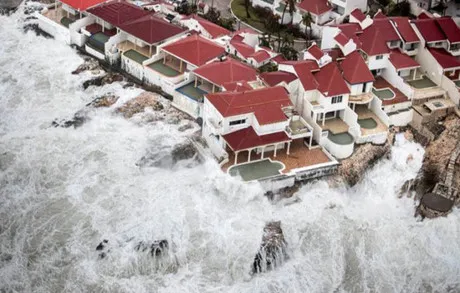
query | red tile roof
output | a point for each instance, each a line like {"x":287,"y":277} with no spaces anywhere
{"x":444,"y":59}
{"x":118,"y":12}
{"x":388,"y":32}
{"x":151,"y":29}
{"x":226,"y":71}
{"x":279,"y":59}
{"x":355,"y":70}
{"x":237,"y":86}
{"x":195,"y":50}
{"x":316,"y":7}
{"x":276,"y":77}
{"x":429,"y":30}
{"x":350,"y":29}
{"x":315,"y":51}
{"x":372,"y":42}
{"x":265,"y":103}
{"x":401,"y":60}
{"x":304,"y":72}
{"x":404,"y":28}
{"x":82,"y":5}
{"x":330,"y":81}
{"x":358,"y":14}
{"x":260,"y":56}
{"x":342,"y":39}
{"x":247,"y":138}
{"x":449,"y":28}
{"x":213,"y":29}
{"x":242,"y":48}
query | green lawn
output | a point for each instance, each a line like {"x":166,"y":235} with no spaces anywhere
{"x":240,"y":11}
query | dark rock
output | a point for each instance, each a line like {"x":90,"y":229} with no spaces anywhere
{"x":199,"y":121}
{"x":89,"y":64}
{"x":106,"y":100}
{"x":157,"y":248}
{"x":100,"y":246}
{"x":183,"y":152}
{"x":105,"y":241}
{"x":138,"y":104}
{"x":272,"y":252}
{"x":77,"y":120}
{"x":103,"y":80}
{"x":129,"y":84}
{"x":38,"y":31}
{"x":102,"y":255}
{"x":9,"y":5}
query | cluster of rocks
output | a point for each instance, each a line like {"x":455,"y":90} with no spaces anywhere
{"x":108,"y":78}
{"x":167,"y":157}
{"x":273,"y":250}
{"x":363,"y":157}
{"x":89,"y":64}
{"x":106,"y":100}
{"x":76,"y":121}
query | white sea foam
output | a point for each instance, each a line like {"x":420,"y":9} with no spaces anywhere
{"x":64,"y":190}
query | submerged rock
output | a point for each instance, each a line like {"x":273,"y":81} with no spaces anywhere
{"x":9,"y":5}
{"x":272,"y":252}
{"x":106,"y":100}
{"x":183,"y":151}
{"x":157,"y":248}
{"x":90,"y":64}
{"x":37,"y":30}
{"x":76,"y":121}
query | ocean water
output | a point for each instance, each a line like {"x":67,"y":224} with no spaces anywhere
{"x":64,"y":190}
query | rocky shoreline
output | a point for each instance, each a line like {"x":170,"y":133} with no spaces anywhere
{"x":435,"y":189}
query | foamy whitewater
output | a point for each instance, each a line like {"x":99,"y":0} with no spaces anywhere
{"x":63,"y":190}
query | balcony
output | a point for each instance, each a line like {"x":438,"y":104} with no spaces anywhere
{"x":214,"y":126}
{"x":361,"y":98}
{"x":298,"y":128}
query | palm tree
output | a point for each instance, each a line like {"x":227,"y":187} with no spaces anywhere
{"x":307,"y":21}
{"x":246,"y":6}
{"x":288,"y":4}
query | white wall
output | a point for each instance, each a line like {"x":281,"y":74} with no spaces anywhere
{"x":327,"y":38}
{"x":132,"y":67}
{"x":269,"y":128}
{"x":429,"y":65}
{"x":76,"y":37}
{"x":451,"y":89}
{"x":374,"y":64}
{"x":351,"y":119}
{"x":326,"y":102}
{"x":339,"y":151}
{"x":391,"y":75}
{"x":58,"y":31}
{"x":401,"y":118}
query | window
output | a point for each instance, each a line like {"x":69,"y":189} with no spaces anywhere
{"x":437,"y":44}
{"x":379,"y":57}
{"x":237,"y":122}
{"x":394,"y":43}
{"x":336,"y":99}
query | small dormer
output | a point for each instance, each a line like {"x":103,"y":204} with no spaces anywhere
{"x":345,"y":44}
{"x":316,"y":54}
{"x":364,"y":21}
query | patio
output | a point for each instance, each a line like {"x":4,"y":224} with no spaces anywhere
{"x":61,"y":16}
{"x":334,"y":125}
{"x":369,"y":122}
{"x":194,"y":93}
{"x":127,"y":45}
{"x":136,"y":56}
{"x":421,"y":83}
{"x":163,"y":69}
{"x":299,"y":157}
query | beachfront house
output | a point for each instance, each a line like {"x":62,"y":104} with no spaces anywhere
{"x":172,"y":69}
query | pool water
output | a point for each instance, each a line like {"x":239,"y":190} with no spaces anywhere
{"x":384,"y":94}
{"x":368,"y":123}
{"x":343,"y":138}
{"x":256,"y":170}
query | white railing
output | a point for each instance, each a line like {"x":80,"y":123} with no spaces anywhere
{"x":351,"y":119}
{"x":376,"y":107}
{"x":94,"y":52}
{"x":76,"y":37}
{"x":376,"y":138}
